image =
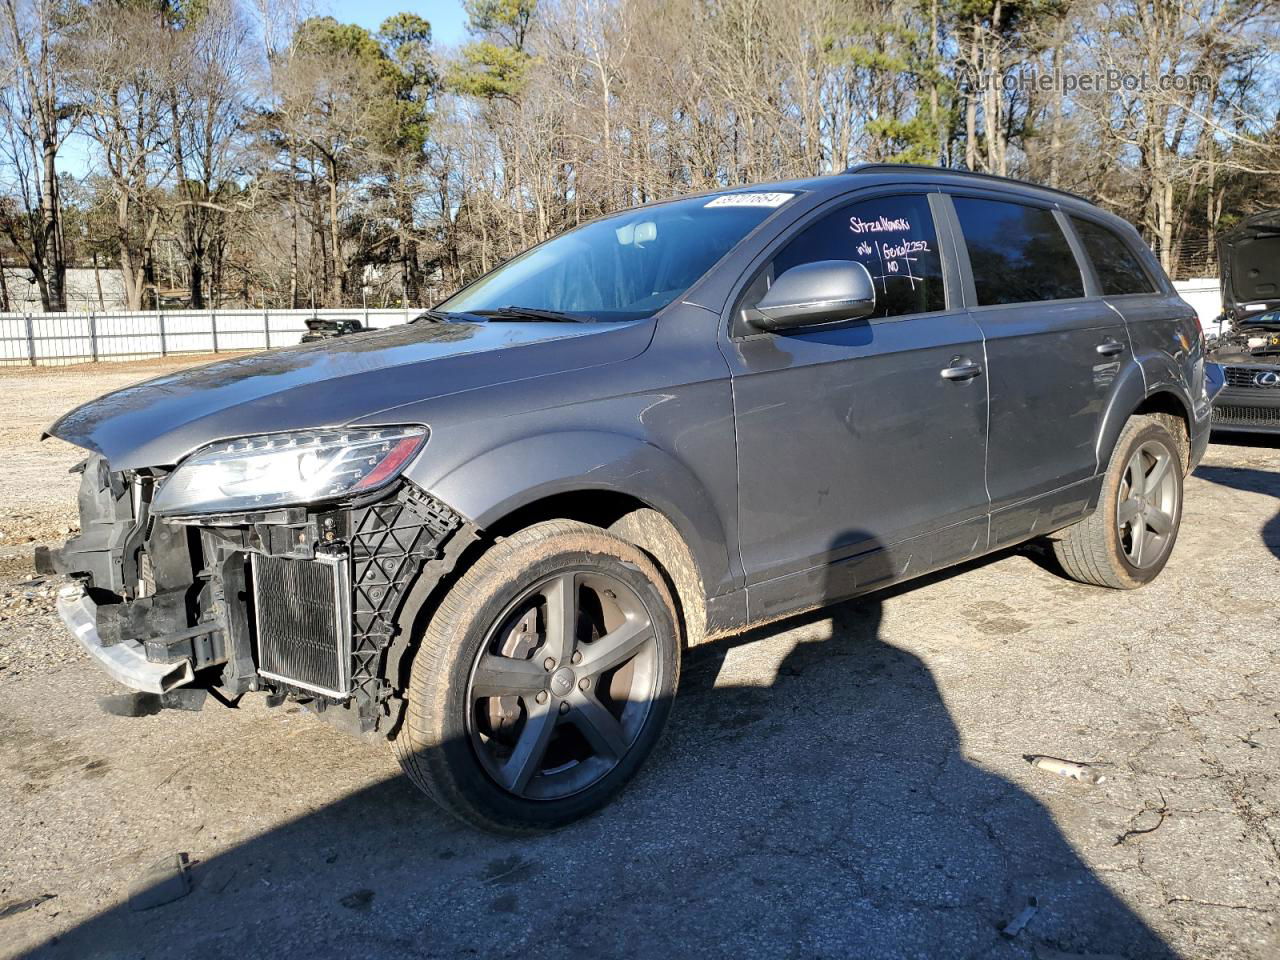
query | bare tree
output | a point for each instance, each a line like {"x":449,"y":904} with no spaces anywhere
{"x":207,"y":109}
{"x":123,"y":62}
{"x":35,"y":117}
{"x":294,"y":159}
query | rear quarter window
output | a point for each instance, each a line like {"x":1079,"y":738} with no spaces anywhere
{"x":1018,"y":253}
{"x":1118,"y":268}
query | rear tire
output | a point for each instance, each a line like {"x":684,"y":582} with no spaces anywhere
{"x":1127,"y":540}
{"x":543,"y":681}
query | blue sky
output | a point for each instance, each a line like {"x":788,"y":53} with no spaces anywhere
{"x":447,"y":18}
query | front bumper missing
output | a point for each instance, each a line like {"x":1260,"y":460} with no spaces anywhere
{"x":126,"y":661}
{"x":299,"y":601}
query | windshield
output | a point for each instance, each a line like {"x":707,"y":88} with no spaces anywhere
{"x":623,"y":267}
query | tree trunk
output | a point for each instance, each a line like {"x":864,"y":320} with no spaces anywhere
{"x":293,"y":232}
{"x":97,"y":281}
{"x":993,"y":102}
{"x":130,"y":271}
{"x":51,"y":226}
{"x":935,"y":111}
{"x":335,"y":236}
{"x":971,"y":101}
{"x":42,"y":284}
{"x":197,"y":284}
{"x":1055,"y":125}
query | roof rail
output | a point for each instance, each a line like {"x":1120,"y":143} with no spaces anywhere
{"x":925,"y":168}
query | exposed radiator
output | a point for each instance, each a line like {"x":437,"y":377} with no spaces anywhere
{"x":303,"y":612}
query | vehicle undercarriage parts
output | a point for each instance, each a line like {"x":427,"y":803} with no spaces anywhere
{"x":108,"y":513}
{"x":125,"y":661}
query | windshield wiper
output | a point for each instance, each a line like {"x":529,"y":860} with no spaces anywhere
{"x":444,"y":316}
{"x":533,"y":313}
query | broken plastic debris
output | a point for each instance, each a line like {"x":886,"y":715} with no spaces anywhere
{"x":167,"y":881}
{"x":1065,"y":768}
{"x":1019,"y":923}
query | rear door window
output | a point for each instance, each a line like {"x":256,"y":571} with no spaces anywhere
{"x":893,"y":237}
{"x":1118,"y":268}
{"x":1018,"y":253}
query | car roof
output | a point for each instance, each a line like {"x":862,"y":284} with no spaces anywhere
{"x":891,"y":174}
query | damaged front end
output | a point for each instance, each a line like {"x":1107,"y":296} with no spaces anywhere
{"x":297,"y":601}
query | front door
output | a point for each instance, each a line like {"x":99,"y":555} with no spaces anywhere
{"x":859,"y":460}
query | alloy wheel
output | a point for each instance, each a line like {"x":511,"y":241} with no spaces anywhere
{"x":1147,"y":506}
{"x":562,"y":685}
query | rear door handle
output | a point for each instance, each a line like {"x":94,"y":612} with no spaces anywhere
{"x":1109,"y":347}
{"x":961,"y":369}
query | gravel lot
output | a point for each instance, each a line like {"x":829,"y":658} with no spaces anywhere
{"x":849,"y":784}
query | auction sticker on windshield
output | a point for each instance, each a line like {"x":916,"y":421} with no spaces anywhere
{"x":750,"y":200}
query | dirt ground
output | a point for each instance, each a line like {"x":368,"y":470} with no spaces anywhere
{"x":848,"y":784}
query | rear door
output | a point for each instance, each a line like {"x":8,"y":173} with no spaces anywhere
{"x":1053,"y":354}
{"x":1162,"y":327}
{"x":853,"y":447}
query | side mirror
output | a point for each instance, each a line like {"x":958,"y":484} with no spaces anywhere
{"x":825,"y":291}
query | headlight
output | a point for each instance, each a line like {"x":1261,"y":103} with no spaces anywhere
{"x":284,"y":469}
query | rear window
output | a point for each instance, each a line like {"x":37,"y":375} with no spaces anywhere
{"x":1018,"y":253}
{"x":1118,"y":268}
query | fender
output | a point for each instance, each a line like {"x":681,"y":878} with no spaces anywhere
{"x":1150,"y":374}
{"x":1166,"y":374}
{"x":491,"y":485}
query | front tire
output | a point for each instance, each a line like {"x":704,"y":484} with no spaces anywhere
{"x":1126,"y":542}
{"x":543,"y":681}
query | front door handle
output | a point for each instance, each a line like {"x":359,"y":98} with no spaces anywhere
{"x":961,"y":369}
{"x":1109,"y":347}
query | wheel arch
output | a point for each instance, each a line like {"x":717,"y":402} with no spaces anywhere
{"x":596,"y":477}
{"x":617,"y":483}
{"x":1131,"y":398}
{"x":637,"y":522}
{"x":1173,"y":406}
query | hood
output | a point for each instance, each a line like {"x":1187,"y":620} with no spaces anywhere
{"x":332,"y":383}
{"x":1249,"y":261}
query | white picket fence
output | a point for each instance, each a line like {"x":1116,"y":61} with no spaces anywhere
{"x":65,"y":338}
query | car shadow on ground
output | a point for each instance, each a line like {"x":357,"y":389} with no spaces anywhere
{"x":830,"y":813}
{"x":1249,"y":480}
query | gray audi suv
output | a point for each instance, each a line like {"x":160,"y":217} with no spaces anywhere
{"x":488,"y":535}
